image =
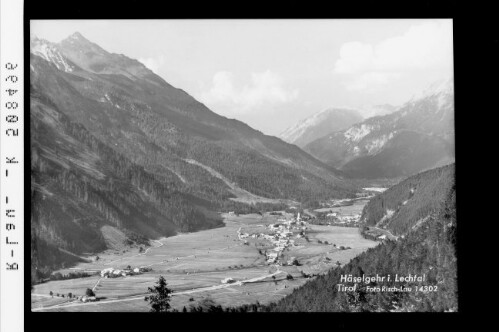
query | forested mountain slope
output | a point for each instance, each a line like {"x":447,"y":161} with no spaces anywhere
{"x":79,"y":185}
{"x":429,"y":249}
{"x":113,"y":144}
{"x":134,"y":111}
{"x":406,"y":205}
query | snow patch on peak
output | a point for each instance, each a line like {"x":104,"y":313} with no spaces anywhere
{"x":356,"y":133}
{"x":439,"y":88}
{"x":293,"y":133}
{"x":375,"y":145}
{"x":49,"y":52}
{"x":369,"y":111}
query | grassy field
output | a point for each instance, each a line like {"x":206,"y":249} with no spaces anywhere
{"x":195,"y":263}
{"x":347,"y":210}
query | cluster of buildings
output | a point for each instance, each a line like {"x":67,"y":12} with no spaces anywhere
{"x":349,"y":219}
{"x":282,"y":236}
{"x":240,"y":235}
{"x":337,"y":218}
{"x":115,"y":273}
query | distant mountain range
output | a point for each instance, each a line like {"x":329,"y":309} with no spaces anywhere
{"x":320,"y":124}
{"x":418,"y":136}
{"x":331,"y":120}
{"x":118,"y":153}
{"x":368,"y":111}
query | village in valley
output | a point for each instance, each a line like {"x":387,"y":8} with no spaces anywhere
{"x":282,"y":235}
{"x":261,"y":257}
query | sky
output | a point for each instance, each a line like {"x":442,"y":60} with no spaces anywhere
{"x":273,"y":74}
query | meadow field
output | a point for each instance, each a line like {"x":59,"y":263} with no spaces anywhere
{"x":347,"y":210}
{"x":194,"y":264}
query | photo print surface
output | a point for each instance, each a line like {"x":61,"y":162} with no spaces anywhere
{"x":242,"y":165}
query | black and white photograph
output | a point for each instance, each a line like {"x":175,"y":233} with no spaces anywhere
{"x":241,"y":165}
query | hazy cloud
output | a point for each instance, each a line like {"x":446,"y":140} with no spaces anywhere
{"x":371,"y":81}
{"x":369,"y":67}
{"x":153,"y":63}
{"x":263,"y":89}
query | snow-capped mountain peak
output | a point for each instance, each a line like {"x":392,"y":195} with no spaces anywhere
{"x":49,"y":52}
{"x":301,"y":126}
{"x":77,"y":36}
{"x":418,"y":135}
{"x":440,"y":87}
{"x":320,"y":124}
{"x":368,"y":111}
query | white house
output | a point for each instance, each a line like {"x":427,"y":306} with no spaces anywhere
{"x":106,"y":272}
{"x":228,"y":281}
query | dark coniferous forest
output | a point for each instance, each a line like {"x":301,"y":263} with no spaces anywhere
{"x":430,"y":250}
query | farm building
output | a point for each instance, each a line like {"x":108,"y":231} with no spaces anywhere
{"x":106,"y":272}
{"x":271,"y":257}
{"x":88,"y":298}
{"x":114,"y":273}
{"x":228,"y":281}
